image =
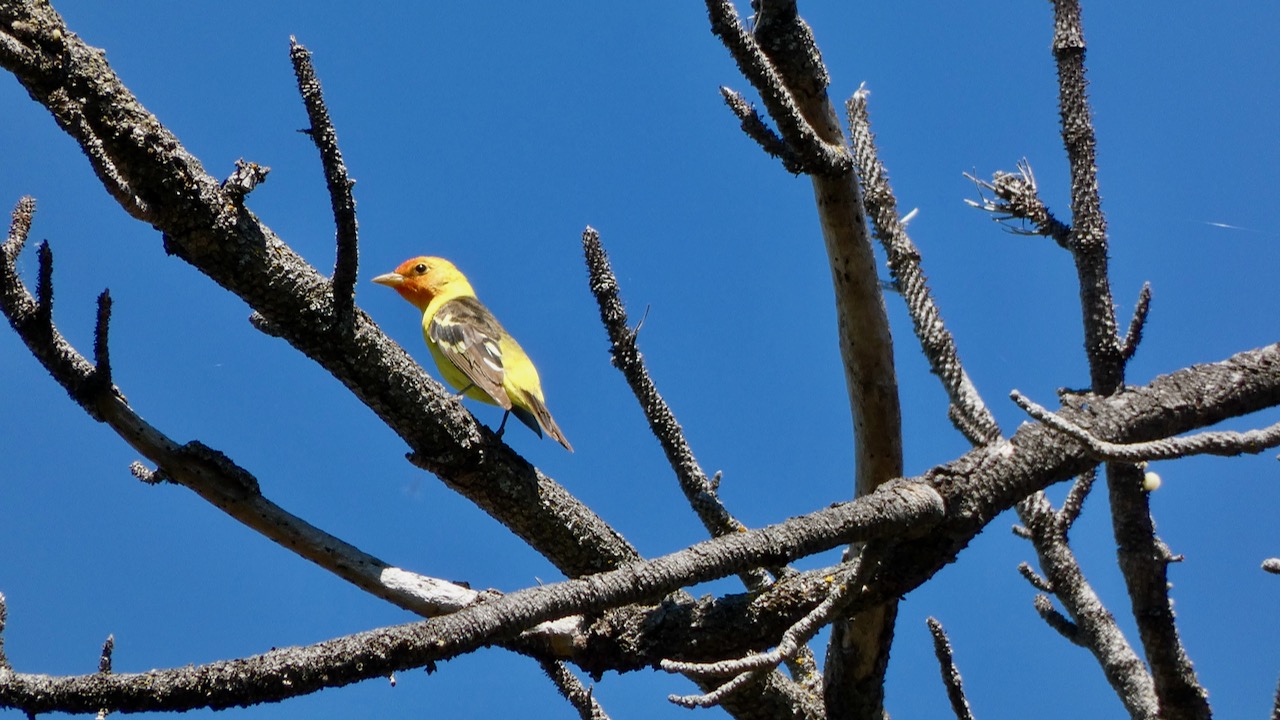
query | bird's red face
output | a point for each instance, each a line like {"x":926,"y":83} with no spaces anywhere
{"x":420,"y":279}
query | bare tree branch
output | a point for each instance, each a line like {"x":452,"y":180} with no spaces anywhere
{"x":336,"y":178}
{"x":1226,"y":443}
{"x":167,"y":188}
{"x":1056,"y":620}
{"x":794,"y":641}
{"x":1016,"y":197}
{"x":1133,"y":337}
{"x":815,"y":152}
{"x":700,"y":492}
{"x":698,"y":489}
{"x":581,"y":697}
{"x":1142,"y":561}
{"x":950,"y":673}
{"x":970,"y":413}
{"x":755,"y":128}
{"x":1091,"y":626}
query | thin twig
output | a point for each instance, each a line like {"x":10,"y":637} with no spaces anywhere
{"x":101,"y":348}
{"x":700,"y":492}
{"x":950,"y":673}
{"x":4,"y":620}
{"x":1056,"y":620}
{"x":975,"y":420}
{"x":816,"y":155}
{"x":1133,"y":337}
{"x":1017,"y":197}
{"x":1073,"y":504}
{"x":747,"y":670}
{"x":756,"y":129}
{"x":44,"y":284}
{"x":336,"y":178}
{"x":104,"y":667}
{"x":571,"y":688}
{"x":1037,"y":580}
{"x":1226,"y":443}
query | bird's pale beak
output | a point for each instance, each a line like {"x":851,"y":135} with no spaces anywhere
{"x":390,"y":279}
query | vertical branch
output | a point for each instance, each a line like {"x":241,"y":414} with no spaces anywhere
{"x":44,"y":285}
{"x":4,"y":620}
{"x":101,"y":352}
{"x":858,"y":652}
{"x":325,"y":137}
{"x":1143,"y":558}
{"x":1088,"y":238}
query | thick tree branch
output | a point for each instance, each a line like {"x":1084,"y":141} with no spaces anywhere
{"x":972,"y":490}
{"x":857,"y":655}
{"x":156,"y":180}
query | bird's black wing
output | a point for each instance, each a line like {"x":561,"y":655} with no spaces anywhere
{"x":469,"y":336}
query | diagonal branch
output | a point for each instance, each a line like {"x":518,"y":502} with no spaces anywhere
{"x":813,"y":150}
{"x":950,"y":673}
{"x":201,"y":224}
{"x":930,"y":519}
{"x":581,"y":697}
{"x":1091,"y":626}
{"x":756,"y":129}
{"x":968,"y":411}
{"x":701,"y":493}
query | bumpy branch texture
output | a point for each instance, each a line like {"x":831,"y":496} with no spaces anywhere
{"x":920,"y":525}
{"x":1143,"y":559}
{"x":160,"y":183}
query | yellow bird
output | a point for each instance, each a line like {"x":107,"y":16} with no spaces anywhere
{"x":471,"y":348}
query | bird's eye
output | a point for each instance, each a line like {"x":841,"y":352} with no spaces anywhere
{"x":420,"y":269}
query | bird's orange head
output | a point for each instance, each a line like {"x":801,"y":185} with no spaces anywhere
{"x":422,"y":279}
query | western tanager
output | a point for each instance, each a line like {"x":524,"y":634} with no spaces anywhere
{"x":474,"y":352}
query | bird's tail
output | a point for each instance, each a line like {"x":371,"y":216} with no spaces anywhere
{"x":533,"y":412}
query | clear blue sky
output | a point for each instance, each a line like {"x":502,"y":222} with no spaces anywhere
{"x":500,"y":132}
